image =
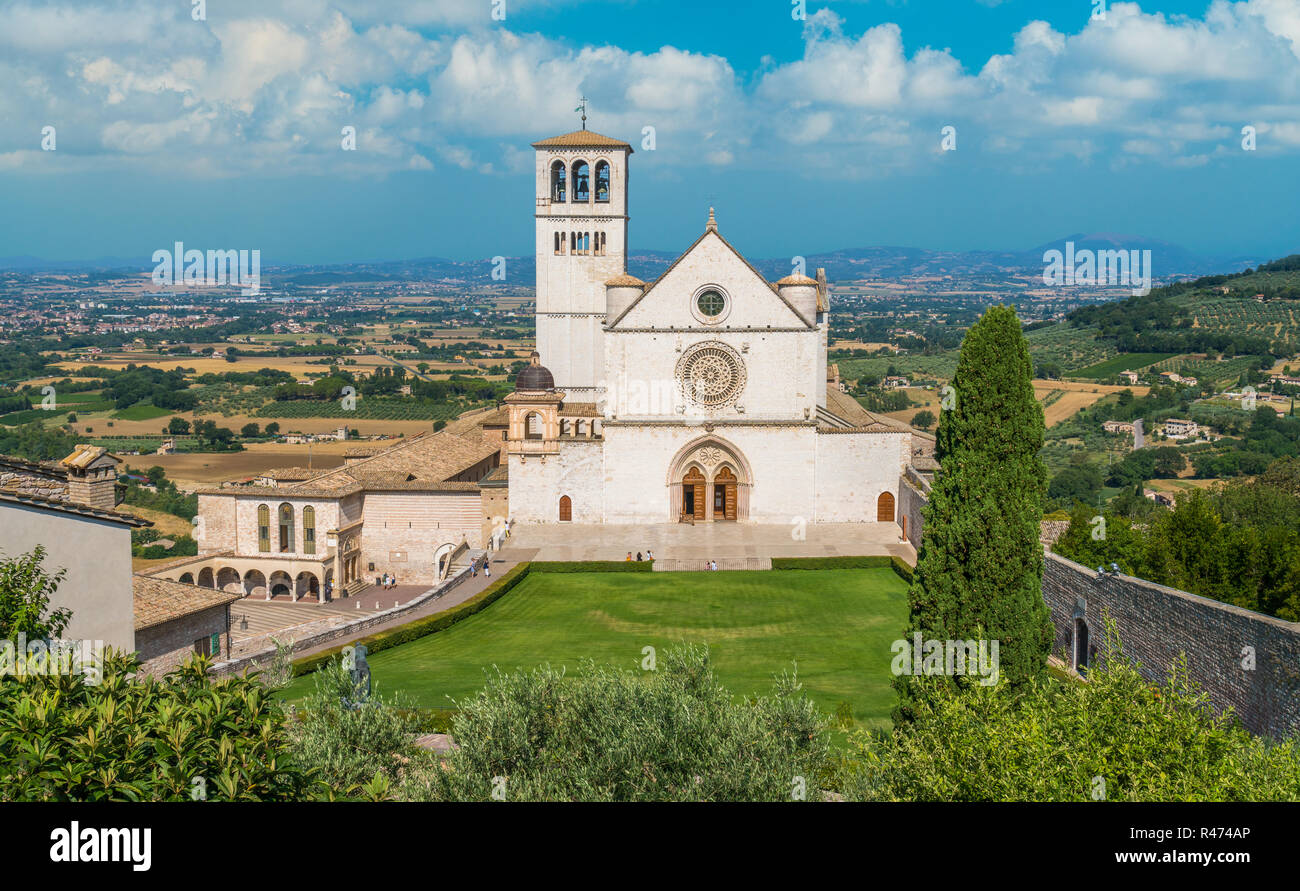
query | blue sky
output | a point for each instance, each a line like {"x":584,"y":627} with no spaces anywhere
{"x":807,"y":135}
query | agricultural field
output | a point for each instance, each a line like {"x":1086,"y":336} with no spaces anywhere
{"x":1069,"y":347}
{"x":1123,"y":362}
{"x":190,"y":470}
{"x":834,"y":626}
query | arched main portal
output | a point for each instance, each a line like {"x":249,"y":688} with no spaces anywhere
{"x":709,"y":480}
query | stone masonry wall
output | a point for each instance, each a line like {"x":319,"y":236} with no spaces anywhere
{"x":1155,"y":624}
{"x":166,"y":646}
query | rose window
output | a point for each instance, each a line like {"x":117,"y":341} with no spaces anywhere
{"x":711,"y":374}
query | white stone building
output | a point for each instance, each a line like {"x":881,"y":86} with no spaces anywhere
{"x":701,"y":396}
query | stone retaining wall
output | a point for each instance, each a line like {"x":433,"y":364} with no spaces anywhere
{"x":258,"y":659}
{"x":1156,"y":624}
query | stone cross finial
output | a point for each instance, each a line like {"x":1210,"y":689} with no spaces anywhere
{"x":713,"y":222}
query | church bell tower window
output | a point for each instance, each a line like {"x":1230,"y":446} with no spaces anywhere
{"x":581,"y":182}
{"x":602,"y":182}
{"x":558,"y":175}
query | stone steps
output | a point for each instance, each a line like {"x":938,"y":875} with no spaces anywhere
{"x":726,"y":563}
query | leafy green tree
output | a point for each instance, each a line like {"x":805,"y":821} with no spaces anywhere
{"x":1117,"y":737}
{"x":979,"y":569}
{"x":923,"y":419}
{"x":178,"y":426}
{"x":25,"y":591}
{"x":250,"y":430}
{"x":672,"y":734}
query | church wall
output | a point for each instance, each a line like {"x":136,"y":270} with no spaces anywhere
{"x":781,"y":371}
{"x":853,"y":469}
{"x":638,"y":459}
{"x":403,"y":531}
{"x":536,"y":486}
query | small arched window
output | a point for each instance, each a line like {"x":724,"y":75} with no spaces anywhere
{"x":558,"y":183}
{"x":286,"y":528}
{"x":581,"y":182}
{"x":263,"y":528}
{"x":566,"y":509}
{"x":309,"y":530}
{"x":533,"y":426}
{"x":586,"y":242}
{"x":602,"y":181}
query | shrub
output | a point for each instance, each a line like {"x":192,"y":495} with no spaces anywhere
{"x":133,"y":738}
{"x":1116,"y":737}
{"x":673,"y":734}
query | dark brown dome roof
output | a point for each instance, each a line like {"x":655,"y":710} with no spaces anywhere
{"x":535,"y":376}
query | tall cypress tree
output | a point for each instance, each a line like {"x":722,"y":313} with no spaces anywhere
{"x":979,"y":570}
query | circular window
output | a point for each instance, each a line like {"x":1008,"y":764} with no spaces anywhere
{"x":711,"y":303}
{"x":711,"y":374}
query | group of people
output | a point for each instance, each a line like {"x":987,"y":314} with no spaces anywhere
{"x":649,"y":555}
{"x":388,"y":580}
{"x":475,"y":566}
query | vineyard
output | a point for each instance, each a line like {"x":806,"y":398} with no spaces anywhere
{"x":1276,"y":320}
{"x":1068,"y":346}
{"x":1123,"y":362}
{"x":373,"y":409}
{"x":1224,"y":371}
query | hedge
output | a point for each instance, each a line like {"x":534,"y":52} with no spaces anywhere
{"x":878,"y":562}
{"x":594,"y":566}
{"x":383,"y":640}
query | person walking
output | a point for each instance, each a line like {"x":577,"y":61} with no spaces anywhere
{"x":629,"y":557}
{"x":649,"y":554}
{"x":638,"y":556}
{"x":487,"y":569}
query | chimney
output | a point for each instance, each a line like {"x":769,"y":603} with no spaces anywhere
{"x":92,"y":477}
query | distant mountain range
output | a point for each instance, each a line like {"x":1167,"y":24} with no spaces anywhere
{"x":842,"y":265}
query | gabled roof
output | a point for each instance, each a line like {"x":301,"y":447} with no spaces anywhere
{"x":84,"y":455}
{"x":750,"y":266}
{"x":582,"y":139}
{"x":160,"y":600}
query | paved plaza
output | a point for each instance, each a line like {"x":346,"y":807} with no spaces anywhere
{"x":709,"y":541}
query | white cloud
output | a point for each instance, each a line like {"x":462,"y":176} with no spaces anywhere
{"x":267,"y":84}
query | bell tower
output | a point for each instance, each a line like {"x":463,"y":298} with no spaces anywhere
{"x":582,"y":215}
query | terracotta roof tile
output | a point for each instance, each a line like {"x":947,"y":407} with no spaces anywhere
{"x":160,"y":600}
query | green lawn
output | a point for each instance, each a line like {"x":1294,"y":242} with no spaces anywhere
{"x":836,"y":624}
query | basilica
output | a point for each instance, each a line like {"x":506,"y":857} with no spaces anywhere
{"x":702,"y":397}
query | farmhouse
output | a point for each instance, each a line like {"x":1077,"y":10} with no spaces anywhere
{"x":1178,"y":427}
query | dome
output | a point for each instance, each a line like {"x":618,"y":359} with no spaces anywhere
{"x":535,"y":376}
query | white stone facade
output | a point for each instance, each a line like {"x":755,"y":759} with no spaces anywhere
{"x":711,"y":386}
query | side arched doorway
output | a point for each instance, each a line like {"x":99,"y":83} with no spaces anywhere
{"x":566,"y":509}
{"x":885,"y":508}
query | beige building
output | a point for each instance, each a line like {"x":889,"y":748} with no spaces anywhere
{"x":409,"y":510}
